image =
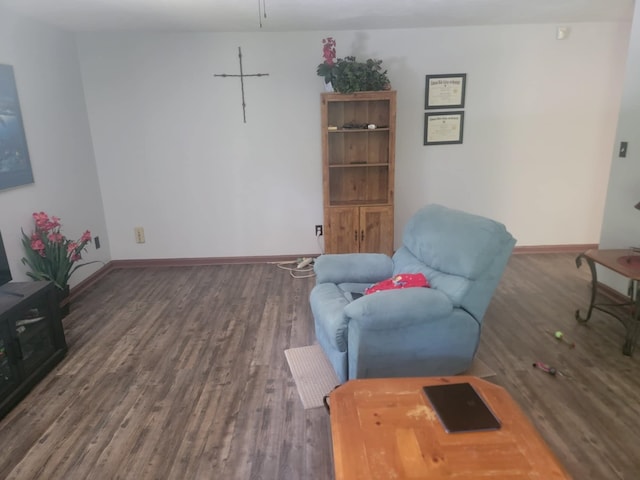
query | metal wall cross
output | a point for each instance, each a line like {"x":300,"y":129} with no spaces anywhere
{"x":241,"y":76}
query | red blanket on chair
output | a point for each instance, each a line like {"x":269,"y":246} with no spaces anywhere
{"x":402,"y":280}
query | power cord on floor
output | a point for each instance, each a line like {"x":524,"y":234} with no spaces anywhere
{"x":303,"y":266}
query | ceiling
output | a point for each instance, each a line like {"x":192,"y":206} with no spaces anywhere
{"x":296,"y":15}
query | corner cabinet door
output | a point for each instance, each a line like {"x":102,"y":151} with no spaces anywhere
{"x":376,"y":230}
{"x":341,"y":231}
{"x":9,"y":357}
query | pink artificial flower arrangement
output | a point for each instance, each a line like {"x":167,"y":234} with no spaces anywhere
{"x":49,"y":254}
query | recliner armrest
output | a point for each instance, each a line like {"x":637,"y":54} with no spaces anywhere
{"x":353,"y":268}
{"x":393,"y":309}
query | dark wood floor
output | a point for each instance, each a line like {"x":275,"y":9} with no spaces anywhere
{"x":179,"y":373}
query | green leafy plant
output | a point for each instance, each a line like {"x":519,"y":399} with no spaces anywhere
{"x":354,"y":76}
{"x":49,"y":254}
{"x":347,"y":75}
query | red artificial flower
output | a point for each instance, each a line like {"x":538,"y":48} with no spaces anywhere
{"x":86,"y":237}
{"x":329,"y":50}
{"x":41,"y":219}
{"x":55,"y":237}
{"x":38,"y":246}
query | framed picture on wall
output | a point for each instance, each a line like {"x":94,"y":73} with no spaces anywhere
{"x":443,"y":128}
{"x":445,"y":91}
{"x":15,"y":166}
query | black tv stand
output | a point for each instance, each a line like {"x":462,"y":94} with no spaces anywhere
{"x":31,"y":338}
{"x":15,"y":294}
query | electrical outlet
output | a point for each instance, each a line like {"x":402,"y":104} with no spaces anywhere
{"x":96,"y":242}
{"x":622,"y":153}
{"x":139,"y":233}
{"x":318,"y":230}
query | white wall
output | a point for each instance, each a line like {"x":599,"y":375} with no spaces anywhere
{"x":621,"y":224}
{"x":539,"y":124}
{"x":174,"y":156}
{"x":51,"y":97}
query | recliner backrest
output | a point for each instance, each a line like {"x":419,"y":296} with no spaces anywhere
{"x":461,"y":254}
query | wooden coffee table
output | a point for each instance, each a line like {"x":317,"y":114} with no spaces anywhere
{"x":386,"y":429}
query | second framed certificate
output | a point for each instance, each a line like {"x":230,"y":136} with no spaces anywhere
{"x":445,"y":91}
{"x":443,"y":128}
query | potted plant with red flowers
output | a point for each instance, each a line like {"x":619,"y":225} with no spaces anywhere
{"x":52,"y":256}
{"x":347,"y":75}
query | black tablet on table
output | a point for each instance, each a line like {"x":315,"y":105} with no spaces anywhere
{"x":460,"y":408}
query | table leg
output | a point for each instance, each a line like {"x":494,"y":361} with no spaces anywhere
{"x":629,"y":346}
{"x":594,"y":287}
{"x":633,"y":327}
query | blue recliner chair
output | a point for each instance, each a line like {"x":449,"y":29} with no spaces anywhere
{"x":411,"y":331}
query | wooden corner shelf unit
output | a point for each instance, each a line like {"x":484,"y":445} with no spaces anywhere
{"x":358,"y":162}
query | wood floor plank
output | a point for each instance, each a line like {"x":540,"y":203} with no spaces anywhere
{"x":179,"y":373}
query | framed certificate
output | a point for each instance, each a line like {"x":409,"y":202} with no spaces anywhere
{"x":445,"y":91}
{"x":443,"y":128}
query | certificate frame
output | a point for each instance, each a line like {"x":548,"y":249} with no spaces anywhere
{"x":443,"y":128}
{"x":445,"y":91}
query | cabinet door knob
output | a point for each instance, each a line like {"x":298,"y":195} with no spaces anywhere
{"x":355,"y":236}
{"x":362,"y":235}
